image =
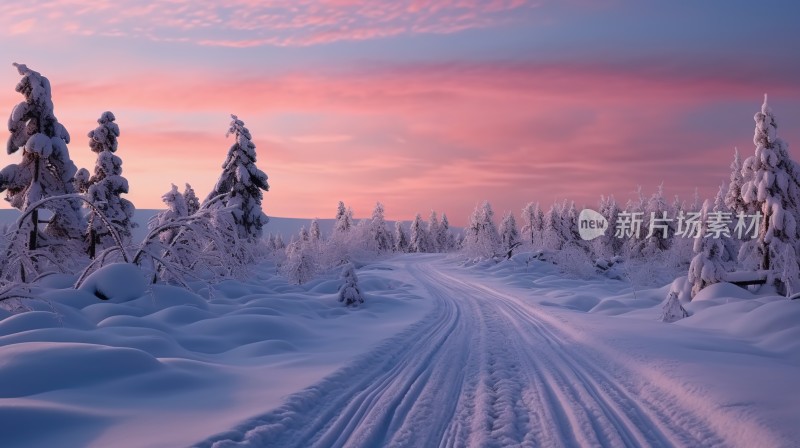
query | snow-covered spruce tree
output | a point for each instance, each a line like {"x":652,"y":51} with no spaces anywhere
{"x":350,"y":293}
{"x":418,"y":242}
{"x":176,"y":209}
{"x":46,"y":169}
{"x":733,"y":197}
{"x":433,"y":232}
{"x":608,"y":246}
{"x":379,"y":234}
{"x":192,"y":201}
{"x":632,"y":247}
{"x":240,"y":184}
{"x":772,"y":187}
{"x":730,"y":249}
{"x":707,"y":266}
{"x":344,"y":219}
{"x":400,"y":238}
{"x":552,"y":235}
{"x":681,"y":250}
{"x":300,"y":264}
{"x":658,"y":237}
{"x":314,"y":232}
{"x":532,"y":224}
{"x":445,"y":239}
{"x":481,"y":237}
{"x":105,"y":187}
{"x":509,"y":235}
{"x":561,"y":227}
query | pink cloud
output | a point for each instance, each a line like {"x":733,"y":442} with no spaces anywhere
{"x":423,"y":136}
{"x":248,"y":23}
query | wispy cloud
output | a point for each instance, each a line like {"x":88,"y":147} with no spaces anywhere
{"x":250,"y":23}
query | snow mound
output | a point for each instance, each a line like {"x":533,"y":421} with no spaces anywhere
{"x":117,"y":282}
{"x":37,"y":367}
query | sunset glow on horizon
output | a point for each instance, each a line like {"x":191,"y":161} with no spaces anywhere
{"x":417,"y":104}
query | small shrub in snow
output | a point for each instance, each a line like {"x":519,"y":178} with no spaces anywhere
{"x":672,"y":310}
{"x":349,"y":293}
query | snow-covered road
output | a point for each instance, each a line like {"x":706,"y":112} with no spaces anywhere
{"x":484,"y":369}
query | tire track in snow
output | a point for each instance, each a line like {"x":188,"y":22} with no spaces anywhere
{"x":481,"y":369}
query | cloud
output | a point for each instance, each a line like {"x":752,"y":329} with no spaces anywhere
{"x":311,"y":139}
{"x":250,"y":23}
{"x":434,"y":135}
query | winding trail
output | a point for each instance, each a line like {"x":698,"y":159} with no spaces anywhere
{"x":483,"y":369}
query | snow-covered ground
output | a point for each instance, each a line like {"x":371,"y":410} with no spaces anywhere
{"x":441,"y":354}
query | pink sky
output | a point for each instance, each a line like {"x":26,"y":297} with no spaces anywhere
{"x":374,"y":116}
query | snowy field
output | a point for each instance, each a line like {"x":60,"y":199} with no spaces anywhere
{"x":441,"y":354}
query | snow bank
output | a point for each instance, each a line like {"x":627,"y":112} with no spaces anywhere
{"x":112,"y":372}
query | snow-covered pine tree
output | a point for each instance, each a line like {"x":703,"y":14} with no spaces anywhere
{"x":532,"y":224}
{"x":192,"y":201}
{"x":350,"y":293}
{"x":299,"y":266}
{"x":279,"y":244}
{"x":730,"y":249}
{"x":240,"y":184}
{"x":509,"y":236}
{"x":658,"y":238}
{"x":481,"y":237}
{"x":445,"y":237}
{"x":344,"y":219}
{"x":304,"y":235}
{"x":46,"y":169}
{"x":632,"y":247}
{"x":400,"y":238}
{"x":707,"y":265}
{"x":314,"y":232}
{"x":772,"y":187}
{"x":176,"y":209}
{"x":552,"y":235}
{"x":105,"y":187}
{"x":418,"y":241}
{"x":433,"y":232}
{"x":608,"y":246}
{"x":733,"y":197}
{"x":378,"y":232}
